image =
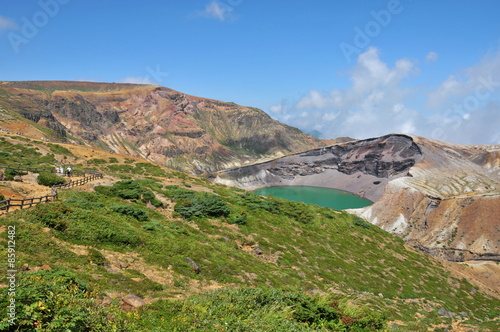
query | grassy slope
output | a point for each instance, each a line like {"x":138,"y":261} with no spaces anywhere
{"x":361,"y":270}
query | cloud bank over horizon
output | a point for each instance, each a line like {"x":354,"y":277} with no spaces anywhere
{"x":383,"y":98}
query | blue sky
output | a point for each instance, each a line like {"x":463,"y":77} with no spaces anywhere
{"x":343,"y":68}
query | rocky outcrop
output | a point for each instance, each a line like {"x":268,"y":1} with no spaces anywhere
{"x":450,"y":207}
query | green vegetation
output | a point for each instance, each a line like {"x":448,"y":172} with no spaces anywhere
{"x":59,"y":149}
{"x":202,"y":205}
{"x":18,"y":154}
{"x":260,"y":309}
{"x":132,"y":190}
{"x":10,"y":173}
{"x":277,"y":265}
{"x":50,"y":179}
{"x":96,"y":161}
{"x":132,"y":211}
{"x":58,"y":301}
{"x":146,"y":169}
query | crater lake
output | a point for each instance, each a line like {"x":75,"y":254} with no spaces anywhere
{"x":332,"y":198}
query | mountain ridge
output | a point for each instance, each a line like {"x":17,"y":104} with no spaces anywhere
{"x":190,"y":133}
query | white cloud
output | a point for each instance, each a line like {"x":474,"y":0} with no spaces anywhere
{"x":219,"y":11}
{"x":464,"y":108}
{"x":431,"y":57}
{"x":330,"y":116}
{"x":277,"y":109}
{"x":138,"y":80}
{"x":473,"y":84}
{"x":7,"y":24}
{"x":367,"y":107}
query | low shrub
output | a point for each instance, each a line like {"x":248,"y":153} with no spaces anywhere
{"x":96,"y":161}
{"x":361,"y":222}
{"x":127,"y":210}
{"x":96,"y":257}
{"x":240,"y":219}
{"x":130,"y":189}
{"x":10,"y":173}
{"x":50,"y":179}
{"x":202,"y":205}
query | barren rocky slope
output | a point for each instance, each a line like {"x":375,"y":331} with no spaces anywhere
{"x":162,"y":125}
{"x":442,"y":198}
{"x":450,"y":206}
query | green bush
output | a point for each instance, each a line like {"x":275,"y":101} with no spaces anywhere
{"x":256,"y":202}
{"x":240,"y":219}
{"x":11,"y":173}
{"x":202,"y":205}
{"x":53,"y":215}
{"x":96,"y":257}
{"x":361,"y":222}
{"x":50,"y":179}
{"x":96,"y":161}
{"x":130,"y":189}
{"x":131,"y":211}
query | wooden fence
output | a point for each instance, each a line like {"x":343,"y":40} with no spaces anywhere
{"x":78,"y":182}
{"x":24,"y":202}
{"x":24,"y":168}
{"x":7,"y":204}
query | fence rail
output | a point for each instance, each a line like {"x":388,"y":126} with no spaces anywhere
{"x":28,"y":168}
{"x":78,"y":182}
{"x":7,"y":204}
{"x":11,"y":202}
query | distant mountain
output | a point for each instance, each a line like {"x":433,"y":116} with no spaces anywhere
{"x":315,"y":133}
{"x":189,"y":133}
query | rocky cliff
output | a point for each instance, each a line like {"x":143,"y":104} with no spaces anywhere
{"x":441,"y":198}
{"x":162,"y":125}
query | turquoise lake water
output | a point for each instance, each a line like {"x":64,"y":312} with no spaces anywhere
{"x":332,"y":198}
